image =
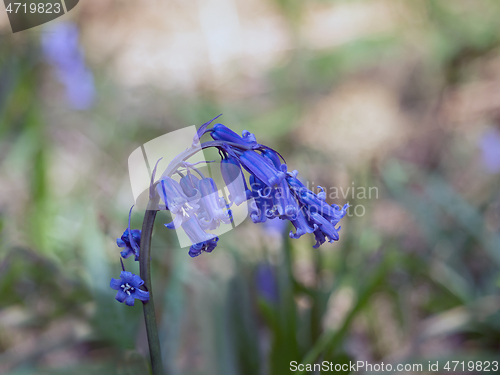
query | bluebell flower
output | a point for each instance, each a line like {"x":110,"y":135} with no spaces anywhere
{"x":301,"y":224}
{"x":266,"y":285}
{"x":189,"y":185}
{"x":215,"y":210}
{"x":490,"y":147}
{"x":273,"y":157}
{"x":315,"y":215}
{"x":314,"y":202}
{"x":222,"y":133}
{"x":128,"y":287}
{"x":258,"y":166}
{"x":197,"y":207}
{"x":263,"y":203}
{"x":325,"y":227}
{"x":195,"y":232}
{"x":61,"y":49}
{"x":203,"y":247}
{"x":177,"y":202}
{"x":248,"y":137}
{"x":130,"y":240}
{"x":235,"y":181}
{"x":284,"y":201}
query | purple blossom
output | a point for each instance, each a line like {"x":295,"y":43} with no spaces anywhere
{"x":177,"y":201}
{"x":62,"y":50}
{"x":235,"y":182}
{"x":258,"y":166}
{"x":195,"y":232}
{"x":189,"y":185}
{"x":205,"y":246}
{"x":223,"y":133}
{"x":265,"y":282}
{"x":262,"y":201}
{"x":128,"y":288}
{"x":301,"y":225}
{"x":490,"y":147}
{"x":197,"y":207}
{"x":130,"y":240}
{"x":215,"y":210}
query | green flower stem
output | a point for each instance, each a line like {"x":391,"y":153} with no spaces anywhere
{"x":145,"y":271}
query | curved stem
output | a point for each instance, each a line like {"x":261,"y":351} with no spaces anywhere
{"x":186,"y":154}
{"x":145,"y":251}
{"x":148,"y":307}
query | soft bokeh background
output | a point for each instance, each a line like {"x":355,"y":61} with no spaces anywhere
{"x":399,"y":96}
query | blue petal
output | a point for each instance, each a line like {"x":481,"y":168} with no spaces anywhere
{"x":320,"y":238}
{"x":115,"y":284}
{"x":263,"y":202}
{"x":295,"y":184}
{"x":136,"y":234}
{"x":223,"y":133}
{"x":195,"y":232}
{"x":129,"y":301}
{"x":132,"y":243}
{"x":206,"y":246}
{"x":130,"y":240}
{"x":248,"y":137}
{"x":126,"y":276}
{"x":121,"y":295}
{"x":285,"y":202}
{"x":195,"y":250}
{"x":235,"y":182}
{"x":301,"y":226}
{"x":141,"y":295}
{"x":189,"y":184}
{"x":215,"y":212}
{"x":326,"y":227}
{"x":136,"y":281}
{"x":211,"y":244}
{"x":257,"y":165}
{"x":273,"y":157}
{"x":127,"y":252}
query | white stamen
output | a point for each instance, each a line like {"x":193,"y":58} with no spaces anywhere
{"x":127,"y":288}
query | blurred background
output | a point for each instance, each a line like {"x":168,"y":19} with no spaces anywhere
{"x":399,"y":100}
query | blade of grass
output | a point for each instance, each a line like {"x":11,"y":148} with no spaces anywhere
{"x":328,"y":341}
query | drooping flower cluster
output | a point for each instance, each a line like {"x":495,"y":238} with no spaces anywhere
{"x":274,"y":193}
{"x":197,"y":206}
